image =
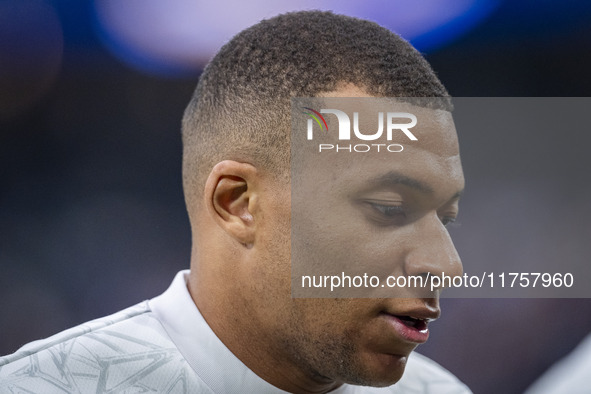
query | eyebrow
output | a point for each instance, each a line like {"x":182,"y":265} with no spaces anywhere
{"x":394,"y":178}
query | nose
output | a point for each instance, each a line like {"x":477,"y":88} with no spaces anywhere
{"x":432,"y":251}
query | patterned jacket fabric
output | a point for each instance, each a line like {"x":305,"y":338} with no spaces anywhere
{"x":165,"y":346}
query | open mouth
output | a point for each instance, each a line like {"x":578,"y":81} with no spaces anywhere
{"x":418,"y":324}
{"x":411,"y":328}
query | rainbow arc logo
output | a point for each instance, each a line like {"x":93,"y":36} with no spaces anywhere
{"x":317,"y":117}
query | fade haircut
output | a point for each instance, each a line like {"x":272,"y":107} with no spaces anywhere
{"x":241,"y":107}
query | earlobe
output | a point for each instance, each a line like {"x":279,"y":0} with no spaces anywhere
{"x":229,"y":192}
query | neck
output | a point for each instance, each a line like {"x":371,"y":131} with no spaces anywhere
{"x":234,"y":321}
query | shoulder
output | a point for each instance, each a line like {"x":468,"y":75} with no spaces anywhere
{"x":114,"y":321}
{"x":569,"y":375}
{"x":118,"y":352}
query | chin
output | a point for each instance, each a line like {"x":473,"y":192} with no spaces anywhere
{"x":381,"y":370}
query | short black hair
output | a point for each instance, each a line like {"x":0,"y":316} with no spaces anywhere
{"x":241,"y":107}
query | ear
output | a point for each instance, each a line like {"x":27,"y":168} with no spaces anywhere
{"x":230,"y":194}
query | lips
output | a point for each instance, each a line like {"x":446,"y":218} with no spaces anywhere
{"x":419,"y":324}
{"x":412,"y":326}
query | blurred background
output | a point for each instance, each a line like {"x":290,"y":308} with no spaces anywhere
{"x":92,"y":216}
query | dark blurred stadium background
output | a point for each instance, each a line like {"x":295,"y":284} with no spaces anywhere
{"x":92,"y":217}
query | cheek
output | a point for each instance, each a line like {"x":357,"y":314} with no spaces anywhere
{"x":347,"y":330}
{"x":339,"y":318}
{"x":337,"y":238}
{"x":271,"y":258}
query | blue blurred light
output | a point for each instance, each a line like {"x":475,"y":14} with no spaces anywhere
{"x":463,"y":23}
{"x":177,"y":37}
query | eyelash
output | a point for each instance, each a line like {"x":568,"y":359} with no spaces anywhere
{"x":397,"y":211}
{"x":388,"y":215}
{"x":386,"y":209}
{"x":448,"y":220}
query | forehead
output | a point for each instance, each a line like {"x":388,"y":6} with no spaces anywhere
{"x":433,"y":158}
{"x":436,"y":125}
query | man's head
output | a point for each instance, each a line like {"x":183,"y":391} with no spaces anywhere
{"x":236,"y":162}
{"x":240,"y":108}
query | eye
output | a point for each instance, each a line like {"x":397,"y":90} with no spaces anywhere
{"x":385,"y":214}
{"x":447,"y":220}
{"x":389,"y":210}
